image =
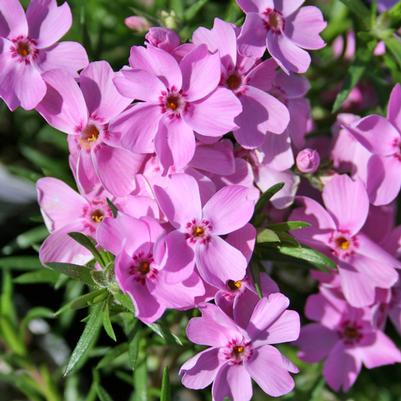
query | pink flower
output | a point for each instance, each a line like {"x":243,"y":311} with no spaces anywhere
{"x":346,"y":338}
{"x":200,"y":228}
{"x":29,"y":48}
{"x":177,"y":99}
{"x":163,"y":38}
{"x":84,"y":113}
{"x":140,"y":267}
{"x":382,"y":137}
{"x":363,"y":265}
{"x":137,"y":24}
{"x":285,"y":28}
{"x":308,"y":161}
{"x":262,"y":114}
{"x":237,"y":354}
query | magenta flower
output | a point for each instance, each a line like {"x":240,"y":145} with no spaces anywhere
{"x":346,"y":338}
{"x":363,"y":265}
{"x":65,"y":211}
{"x":308,"y":161}
{"x":177,"y":99}
{"x":285,"y":28}
{"x":382,"y":137}
{"x":29,"y":48}
{"x":262,"y":114}
{"x":140,"y":263}
{"x":84,"y":112}
{"x":201,"y":228}
{"x":163,"y":38}
{"x":236,"y":354}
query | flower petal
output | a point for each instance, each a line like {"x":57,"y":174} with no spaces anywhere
{"x":13,"y":22}
{"x":180,"y":200}
{"x":47,"y":22}
{"x":215,"y":114}
{"x":229,"y":209}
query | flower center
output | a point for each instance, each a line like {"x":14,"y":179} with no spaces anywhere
{"x":23,"y":49}
{"x":234,"y":285}
{"x":90,"y":134}
{"x":274,"y":21}
{"x":173,"y":102}
{"x":233,"y":82}
{"x":144,"y":267}
{"x":97,"y":216}
{"x":238,"y":350}
{"x":343,"y":243}
{"x":351,"y":332}
{"x":141,"y":268}
{"x":198,"y":231}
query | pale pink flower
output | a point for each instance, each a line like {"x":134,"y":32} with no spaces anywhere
{"x":29,"y":48}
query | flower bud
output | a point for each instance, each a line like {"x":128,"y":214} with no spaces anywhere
{"x":137,"y":24}
{"x":163,"y":38}
{"x":308,"y":160}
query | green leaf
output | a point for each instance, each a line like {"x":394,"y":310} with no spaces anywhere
{"x":141,"y":379}
{"x":103,"y":394}
{"x":165,"y":333}
{"x":266,"y":196}
{"x":26,"y":240}
{"x":359,"y":10}
{"x":90,"y":245}
{"x":394,"y":45}
{"x":87,"y":340}
{"x":133,"y":349}
{"x":80,"y":273}
{"x":36,"y":313}
{"x":315,"y":258}
{"x":111,"y":355}
{"x":20,"y":262}
{"x":194,"y":9}
{"x":11,"y":336}
{"x":38,"y":277}
{"x":7,"y":306}
{"x":124,"y":300}
{"x":108,"y":327}
{"x":267,"y":235}
{"x":112,"y":207}
{"x":83,"y":301}
{"x":178,"y":7}
{"x":166,"y":388}
{"x":288,"y":226}
{"x":354,"y":74}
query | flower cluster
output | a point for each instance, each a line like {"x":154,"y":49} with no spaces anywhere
{"x":170,"y":156}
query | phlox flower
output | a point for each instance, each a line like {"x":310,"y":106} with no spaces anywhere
{"x":284,"y":28}
{"x":363,"y":266}
{"x":140,"y":267}
{"x":345,"y":337}
{"x":29,"y":48}
{"x":382,"y":137}
{"x":162,"y":38}
{"x":65,"y":211}
{"x":176,"y":100}
{"x":236,"y":354}
{"x":201,"y":228}
{"x":83,"y":112}
{"x":249,"y":79}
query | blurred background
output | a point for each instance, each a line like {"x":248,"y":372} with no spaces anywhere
{"x":34,"y":346}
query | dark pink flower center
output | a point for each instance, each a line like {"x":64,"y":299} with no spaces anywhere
{"x":343,"y":245}
{"x":24,"y":50}
{"x":234,"y":285}
{"x":96,"y":213}
{"x":351,"y":332}
{"x":237,"y":351}
{"x":198,"y":231}
{"x":97,"y":216}
{"x":274,"y":20}
{"x":142,"y":267}
{"x":234,"y":81}
{"x":172,"y":102}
